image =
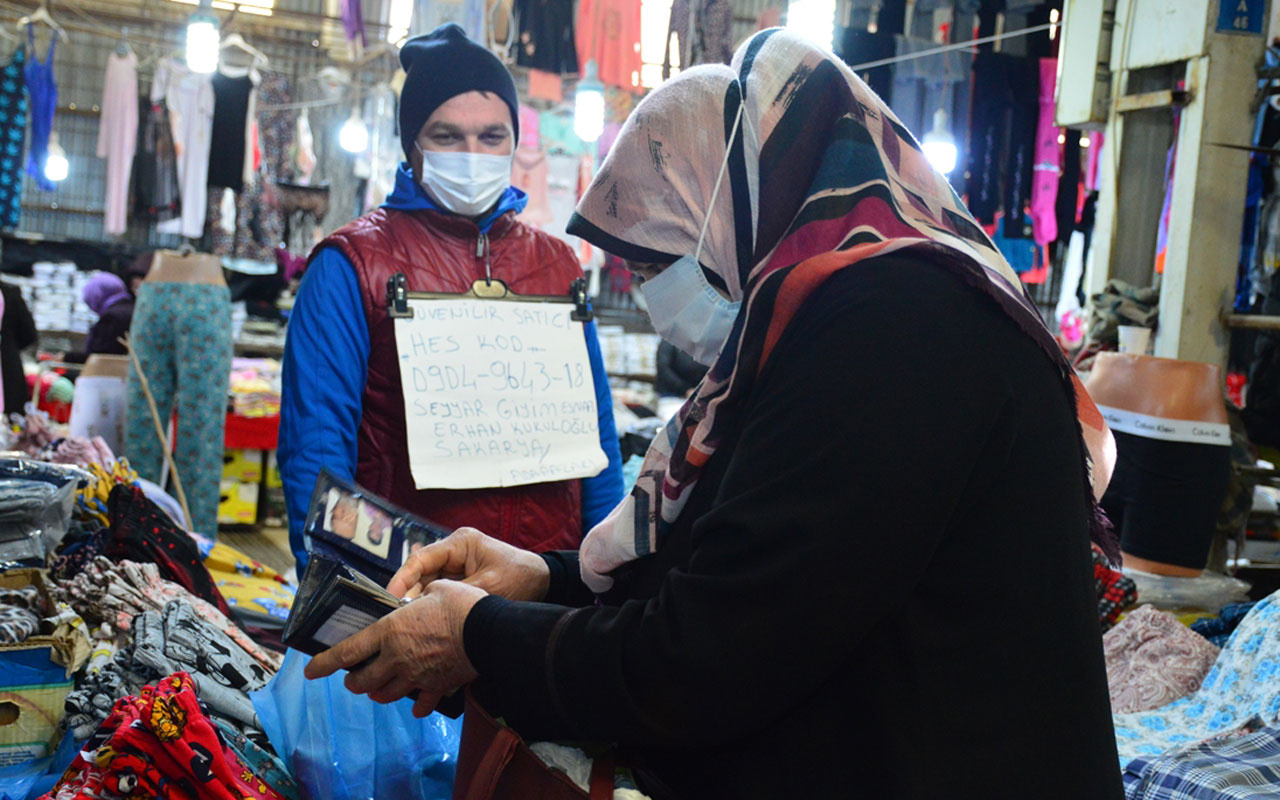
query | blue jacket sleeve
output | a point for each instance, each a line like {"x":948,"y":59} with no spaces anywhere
{"x":326,"y":360}
{"x":601,"y":493}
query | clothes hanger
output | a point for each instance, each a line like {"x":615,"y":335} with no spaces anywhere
{"x":123,"y":48}
{"x":237,"y":41}
{"x":41,"y":15}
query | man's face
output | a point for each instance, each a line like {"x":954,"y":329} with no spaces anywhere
{"x":343,"y":520}
{"x":473,"y":122}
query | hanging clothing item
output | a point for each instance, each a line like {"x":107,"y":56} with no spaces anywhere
{"x":859,"y":46}
{"x":1005,"y":107}
{"x":546,"y":36}
{"x":43,"y":94}
{"x":306,"y":153}
{"x":703,"y":31}
{"x":473,"y":21}
{"x":13,"y":127}
{"x":189,"y":97}
{"x":609,"y":32}
{"x":231,"y":106}
{"x":118,"y":137}
{"x":182,"y":335}
{"x":529,"y":172}
{"x":1153,"y":659}
{"x":922,"y":84}
{"x":156,"y":191}
{"x":1166,"y":208}
{"x":889,"y":200}
{"x":353,"y":21}
{"x":1044,"y":187}
{"x":385,"y":148}
{"x":1067,"y":204}
{"x":249,"y":224}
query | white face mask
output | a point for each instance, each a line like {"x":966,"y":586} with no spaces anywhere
{"x":468,"y":184}
{"x":684,"y":307}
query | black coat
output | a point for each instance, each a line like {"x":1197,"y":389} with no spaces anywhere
{"x":17,"y":333}
{"x":881,"y":585}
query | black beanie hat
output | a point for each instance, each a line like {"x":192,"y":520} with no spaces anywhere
{"x":442,"y":65}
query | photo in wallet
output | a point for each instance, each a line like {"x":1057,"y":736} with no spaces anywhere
{"x":353,"y":526}
{"x":334,"y":601}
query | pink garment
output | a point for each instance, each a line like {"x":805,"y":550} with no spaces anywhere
{"x":118,"y":137}
{"x":609,"y":32}
{"x":1153,"y":659}
{"x":530,"y":123}
{"x":529,"y":173}
{"x":546,"y":86}
{"x":1044,"y":186}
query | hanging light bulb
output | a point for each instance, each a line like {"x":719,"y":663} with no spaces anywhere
{"x":816,"y":19}
{"x":56,"y":166}
{"x":588,"y":105}
{"x":203,"y":40}
{"x":354,"y":134}
{"x":939,"y":145}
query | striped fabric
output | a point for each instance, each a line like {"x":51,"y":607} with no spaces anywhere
{"x":822,"y":176}
{"x":1224,"y":769}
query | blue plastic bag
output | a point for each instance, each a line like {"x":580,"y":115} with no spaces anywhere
{"x":345,"y":746}
{"x":35,"y":778}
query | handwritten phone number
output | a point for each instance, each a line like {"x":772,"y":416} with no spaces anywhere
{"x":502,"y":376}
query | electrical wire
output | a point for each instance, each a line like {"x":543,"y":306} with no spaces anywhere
{"x":948,"y":48}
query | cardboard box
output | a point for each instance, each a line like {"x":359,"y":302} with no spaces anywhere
{"x":238,"y":503}
{"x":35,"y":678}
{"x":242,"y":466}
{"x":273,"y":471}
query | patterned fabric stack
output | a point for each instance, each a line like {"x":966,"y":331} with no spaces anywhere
{"x":1240,"y":692}
{"x":160,"y":743}
{"x":1243,"y":767}
{"x":1153,"y":659}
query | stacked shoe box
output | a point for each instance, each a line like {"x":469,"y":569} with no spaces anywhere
{"x":241,"y":479}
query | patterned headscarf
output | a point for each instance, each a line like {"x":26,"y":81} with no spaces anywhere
{"x":821,"y":176}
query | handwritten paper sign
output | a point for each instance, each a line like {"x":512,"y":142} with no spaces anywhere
{"x":496,"y":393}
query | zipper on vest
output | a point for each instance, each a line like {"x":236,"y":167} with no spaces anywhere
{"x":482,"y":250}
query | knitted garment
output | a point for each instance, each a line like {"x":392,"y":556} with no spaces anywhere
{"x":1115,"y":591}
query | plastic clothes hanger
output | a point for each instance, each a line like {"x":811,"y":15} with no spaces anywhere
{"x":41,"y":15}
{"x":237,"y":41}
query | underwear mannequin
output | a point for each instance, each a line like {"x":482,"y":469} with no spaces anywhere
{"x":182,"y":336}
{"x":99,"y":406}
{"x":170,"y":266}
{"x":1173,"y":443}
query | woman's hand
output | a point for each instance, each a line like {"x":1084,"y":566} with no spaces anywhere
{"x":482,"y":561}
{"x":417,"y":648}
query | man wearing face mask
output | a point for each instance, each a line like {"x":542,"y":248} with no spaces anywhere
{"x":449,"y":222}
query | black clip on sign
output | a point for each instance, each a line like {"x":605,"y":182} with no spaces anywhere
{"x":398,"y":297}
{"x":578,"y":294}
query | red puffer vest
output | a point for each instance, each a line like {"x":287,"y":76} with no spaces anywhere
{"x":444,"y":253}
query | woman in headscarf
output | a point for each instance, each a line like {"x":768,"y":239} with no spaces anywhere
{"x":107,"y":296}
{"x":857,"y":564}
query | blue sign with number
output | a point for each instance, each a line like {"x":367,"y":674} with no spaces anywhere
{"x":1241,"y":16}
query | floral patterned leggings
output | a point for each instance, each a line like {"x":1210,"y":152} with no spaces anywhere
{"x":182,"y":334}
